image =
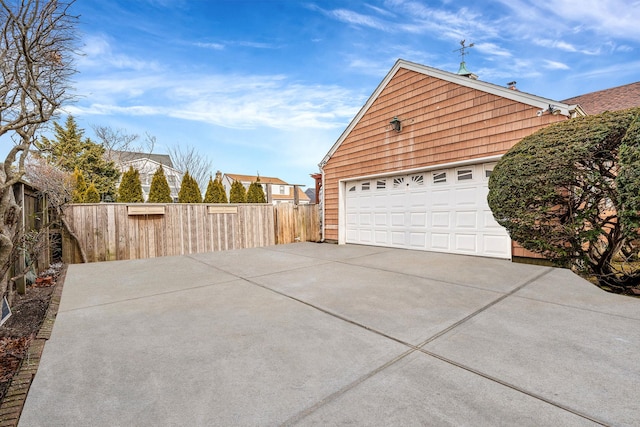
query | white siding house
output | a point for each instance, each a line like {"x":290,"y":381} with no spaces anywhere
{"x":147,"y":165}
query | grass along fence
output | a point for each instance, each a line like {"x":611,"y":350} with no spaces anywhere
{"x":115,"y":231}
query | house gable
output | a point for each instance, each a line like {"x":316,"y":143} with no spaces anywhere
{"x":395,"y":80}
{"x":446,"y":119}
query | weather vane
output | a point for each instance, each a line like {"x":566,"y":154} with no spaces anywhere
{"x":462,"y":50}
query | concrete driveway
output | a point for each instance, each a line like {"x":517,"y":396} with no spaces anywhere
{"x":320,"y":334}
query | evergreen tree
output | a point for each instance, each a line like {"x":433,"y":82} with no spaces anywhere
{"x":70,"y":150}
{"x":80,"y":187}
{"x":91,"y":195}
{"x":237,"y":194}
{"x":159,"y":191}
{"x":208,"y":195}
{"x":189,"y":190}
{"x":130,"y":190}
{"x":255,"y":194}
{"x":219,"y":193}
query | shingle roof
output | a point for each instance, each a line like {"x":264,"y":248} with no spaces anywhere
{"x":616,"y":98}
{"x":302,"y":196}
{"x":252,"y":178}
{"x":126,"y":156}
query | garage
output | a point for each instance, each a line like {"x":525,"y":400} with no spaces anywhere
{"x":443,"y":210}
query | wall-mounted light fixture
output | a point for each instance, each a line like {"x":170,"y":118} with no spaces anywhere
{"x":396,"y":124}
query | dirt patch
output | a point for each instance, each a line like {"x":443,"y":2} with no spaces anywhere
{"x":17,"y":333}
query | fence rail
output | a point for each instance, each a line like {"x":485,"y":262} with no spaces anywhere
{"x":115,"y":231}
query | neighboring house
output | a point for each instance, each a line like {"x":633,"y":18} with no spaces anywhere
{"x":275,"y":189}
{"x":411,"y":170}
{"x":147,"y":164}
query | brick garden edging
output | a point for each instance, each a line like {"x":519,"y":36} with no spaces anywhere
{"x":11,"y":406}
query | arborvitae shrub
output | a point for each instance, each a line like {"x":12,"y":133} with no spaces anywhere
{"x":159,"y":191}
{"x":215,"y":192}
{"x":80,"y":187}
{"x":237,"y":194}
{"x":130,"y":190}
{"x":189,"y":190}
{"x":256,"y":193}
{"x":219,"y":193}
{"x":92,"y":195}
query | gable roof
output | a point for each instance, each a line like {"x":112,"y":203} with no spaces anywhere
{"x":613,"y":99}
{"x":504,"y":92}
{"x":253,"y":178}
{"x":127,"y":156}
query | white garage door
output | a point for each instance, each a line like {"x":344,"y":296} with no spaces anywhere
{"x":442,"y":210}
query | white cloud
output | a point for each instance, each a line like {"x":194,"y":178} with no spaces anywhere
{"x":567,"y":47}
{"x":214,"y":46}
{"x":96,"y":52}
{"x":492,"y":49}
{"x":623,"y":48}
{"x":554,"y":65}
{"x":231,"y":101}
{"x":555,"y":44}
{"x":358,"y":19}
{"x":628,"y":68}
{"x":611,"y":18}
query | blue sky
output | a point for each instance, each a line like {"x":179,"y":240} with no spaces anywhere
{"x":268,"y":86}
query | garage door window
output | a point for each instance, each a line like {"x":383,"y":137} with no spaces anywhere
{"x":381,"y":184}
{"x":397,"y":182}
{"x":366,"y":186}
{"x":488,"y":169}
{"x":465,"y":174}
{"x":352,"y":188}
{"x":439,"y":177}
{"x":417,"y":180}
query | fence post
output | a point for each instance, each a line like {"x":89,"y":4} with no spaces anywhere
{"x":269,"y":193}
{"x":296,"y":197}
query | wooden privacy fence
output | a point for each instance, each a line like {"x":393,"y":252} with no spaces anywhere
{"x":118,"y":231}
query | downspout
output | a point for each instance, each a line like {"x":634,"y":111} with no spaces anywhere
{"x":324,"y":220}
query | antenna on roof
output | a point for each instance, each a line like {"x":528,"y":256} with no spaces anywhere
{"x":463,"y":67}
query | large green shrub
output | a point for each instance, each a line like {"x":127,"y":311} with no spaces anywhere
{"x":70,"y":150}
{"x":255,"y":194}
{"x":159,"y":192}
{"x":571,"y":192}
{"x":130,"y":190}
{"x":189,"y":190}
{"x":237,"y":193}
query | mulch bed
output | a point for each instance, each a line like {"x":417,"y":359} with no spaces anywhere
{"x":22,"y":338}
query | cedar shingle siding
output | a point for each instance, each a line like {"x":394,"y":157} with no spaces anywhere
{"x":442,"y":122}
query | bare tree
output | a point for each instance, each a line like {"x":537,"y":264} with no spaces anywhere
{"x":37,"y":43}
{"x":116,"y":141}
{"x":57,"y":186}
{"x":187,"y":158}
